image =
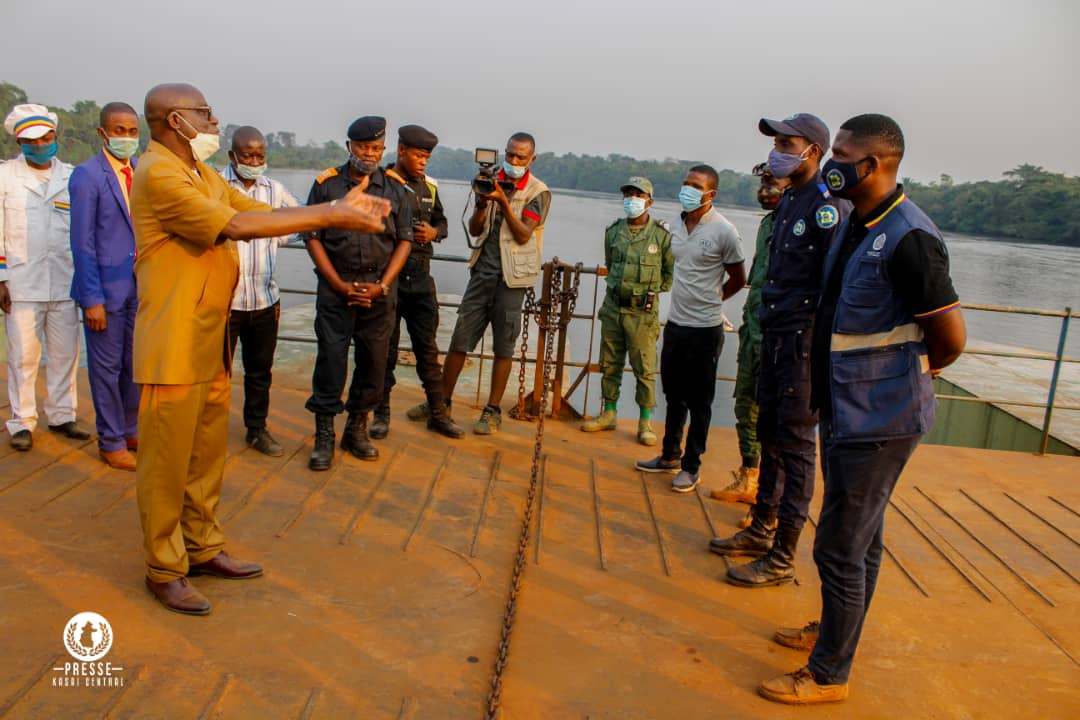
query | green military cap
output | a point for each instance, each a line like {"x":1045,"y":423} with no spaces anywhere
{"x":638,"y":183}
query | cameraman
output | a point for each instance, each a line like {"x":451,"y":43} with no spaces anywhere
{"x":509,"y":224}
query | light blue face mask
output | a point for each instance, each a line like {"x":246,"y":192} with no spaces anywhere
{"x":122,"y":148}
{"x":40,"y":154}
{"x":634,"y":207}
{"x":250,"y":172}
{"x":514,"y":171}
{"x":690,"y":198}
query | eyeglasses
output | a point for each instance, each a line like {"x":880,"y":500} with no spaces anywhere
{"x":203,"y":110}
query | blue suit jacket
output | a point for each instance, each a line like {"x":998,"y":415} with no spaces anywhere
{"x":102,"y":237}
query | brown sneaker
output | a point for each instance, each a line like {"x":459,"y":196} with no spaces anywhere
{"x":742,"y":490}
{"x":800,"y":688}
{"x":179,"y":596}
{"x":803,"y":638}
{"x":119,"y":459}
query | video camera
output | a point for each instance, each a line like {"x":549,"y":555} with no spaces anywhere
{"x":485,"y":181}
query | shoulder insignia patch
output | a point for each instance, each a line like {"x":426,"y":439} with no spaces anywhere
{"x":393,"y":174}
{"x":664,"y":224}
{"x":827,"y":216}
{"x":326,"y":175}
{"x":799,"y":229}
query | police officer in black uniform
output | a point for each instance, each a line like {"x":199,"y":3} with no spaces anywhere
{"x":416,"y":299}
{"x":356,"y":296}
{"x":806,"y":220}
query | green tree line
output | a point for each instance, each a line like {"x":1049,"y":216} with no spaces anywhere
{"x":1029,"y":203}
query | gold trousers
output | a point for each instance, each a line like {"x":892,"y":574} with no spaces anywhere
{"x":180,"y":463}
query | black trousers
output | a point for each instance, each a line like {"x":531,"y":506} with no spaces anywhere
{"x":859,"y":480}
{"x":337,"y":324}
{"x":418,"y":305}
{"x":257,"y":331}
{"x":786,"y":426}
{"x":688,"y":364}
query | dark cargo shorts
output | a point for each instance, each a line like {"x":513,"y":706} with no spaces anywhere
{"x":487,"y":299}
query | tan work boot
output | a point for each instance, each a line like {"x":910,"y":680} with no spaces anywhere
{"x":803,"y":638}
{"x":743,"y":489}
{"x":645,"y":434}
{"x":800,"y":688}
{"x":605,"y":421}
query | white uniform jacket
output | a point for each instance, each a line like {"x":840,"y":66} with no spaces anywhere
{"x":35,"y":249}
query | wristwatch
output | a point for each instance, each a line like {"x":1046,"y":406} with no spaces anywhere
{"x":385,"y":288}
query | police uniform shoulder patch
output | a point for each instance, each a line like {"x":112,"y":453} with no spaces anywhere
{"x":326,"y":175}
{"x":827,"y":216}
{"x":391,"y":173}
{"x":664,"y":224}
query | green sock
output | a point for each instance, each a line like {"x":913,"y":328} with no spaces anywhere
{"x":646,"y":413}
{"x":611,"y":405}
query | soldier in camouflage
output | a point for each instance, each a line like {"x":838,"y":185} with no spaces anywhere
{"x":637,"y":253}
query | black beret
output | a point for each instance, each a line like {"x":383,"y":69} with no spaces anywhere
{"x":369,"y":127}
{"x":417,"y":137}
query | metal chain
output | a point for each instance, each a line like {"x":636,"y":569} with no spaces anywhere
{"x":547,"y":321}
{"x":527,"y":311}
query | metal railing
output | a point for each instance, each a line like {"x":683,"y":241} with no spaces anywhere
{"x":587,"y":368}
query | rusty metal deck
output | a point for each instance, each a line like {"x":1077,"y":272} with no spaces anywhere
{"x":386,"y":584}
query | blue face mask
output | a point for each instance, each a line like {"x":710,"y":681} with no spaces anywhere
{"x":40,"y":154}
{"x":514,"y":171}
{"x":634,"y":207}
{"x":690,"y":198}
{"x":840,"y":177}
{"x":782,"y":165}
{"x":122,"y":148}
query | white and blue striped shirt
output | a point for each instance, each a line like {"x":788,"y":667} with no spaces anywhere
{"x":258,"y":258}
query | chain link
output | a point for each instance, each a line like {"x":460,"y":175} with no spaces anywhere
{"x":548,"y":320}
{"x":527,"y":311}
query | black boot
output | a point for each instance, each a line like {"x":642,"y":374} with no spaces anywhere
{"x":380,"y":424}
{"x":323,"y":452}
{"x":441,"y":422}
{"x":355,"y":438}
{"x":755,"y":540}
{"x":777,"y":567}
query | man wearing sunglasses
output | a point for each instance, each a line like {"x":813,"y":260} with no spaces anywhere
{"x":184,"y":215}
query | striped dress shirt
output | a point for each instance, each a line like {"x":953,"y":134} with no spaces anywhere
{"x":258,"y":258}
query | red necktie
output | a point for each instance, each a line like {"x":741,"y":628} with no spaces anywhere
{"x":127,"y":178}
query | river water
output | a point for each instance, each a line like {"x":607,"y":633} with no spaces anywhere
{"x":991,"y":272}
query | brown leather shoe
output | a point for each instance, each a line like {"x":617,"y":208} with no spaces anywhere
{"x":224,"y":566}
{"x":133,"y":444}
{"x":119,"y":459}
{"x":804,"y":638}
{"x":179,"y":596}
{"x":801,"y":688}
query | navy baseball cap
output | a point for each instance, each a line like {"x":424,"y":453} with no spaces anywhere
{"x":802,"y":125}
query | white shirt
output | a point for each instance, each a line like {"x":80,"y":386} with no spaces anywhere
{"x":258,"y":258}
{"x":700,"y":257}
{"x":35,"y":226}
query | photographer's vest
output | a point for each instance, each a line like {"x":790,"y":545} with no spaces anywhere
{"x":520,"y":263}
{"x":879,"y":374}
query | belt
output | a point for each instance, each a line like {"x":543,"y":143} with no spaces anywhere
{"x":636,"y":302}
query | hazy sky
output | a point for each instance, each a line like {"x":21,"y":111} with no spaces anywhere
{"x":979,"y":86}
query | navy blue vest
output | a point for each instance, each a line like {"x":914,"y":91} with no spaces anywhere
{"x":879,"y":369}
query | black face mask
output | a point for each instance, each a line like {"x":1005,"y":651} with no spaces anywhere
{"x":362,"y":167}
{"x":841,"y":177}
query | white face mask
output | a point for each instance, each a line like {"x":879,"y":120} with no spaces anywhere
{"x":250,"y":172}
{"x":203,"y":145}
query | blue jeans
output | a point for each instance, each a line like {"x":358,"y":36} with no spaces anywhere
{"x":859,"y":479}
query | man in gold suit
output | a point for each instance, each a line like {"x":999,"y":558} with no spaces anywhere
{"x":185,"y":215}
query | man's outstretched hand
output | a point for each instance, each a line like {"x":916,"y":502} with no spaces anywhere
{"x":362,"y":212}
